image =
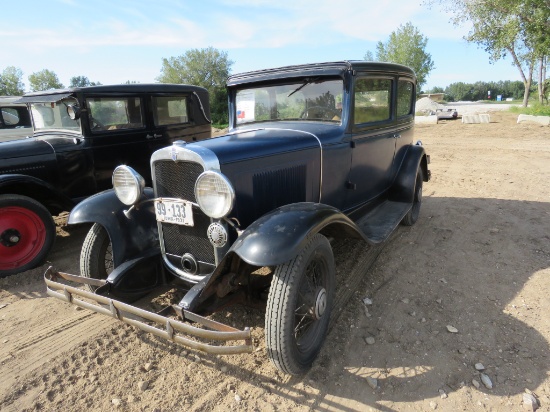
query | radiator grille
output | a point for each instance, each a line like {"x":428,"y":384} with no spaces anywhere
{"x":179,"y":239}
{"x":177,"y":179}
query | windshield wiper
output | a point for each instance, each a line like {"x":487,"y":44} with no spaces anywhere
{"x":306,"y":82}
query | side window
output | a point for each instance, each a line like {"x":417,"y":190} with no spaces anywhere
{"x":372,"y":100}
{"x":404,"y":98}
{"x":115,"y":113}
{"x":10,"y":116}
{"x":169,"y":110}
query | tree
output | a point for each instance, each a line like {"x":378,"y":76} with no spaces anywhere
{"x":208,"y":68}
{"x":508,"y":27}
{"x":10,"y":82}
{"x":44,"y":80}
{"x":82,"y":81}
{"x":406,"y":46}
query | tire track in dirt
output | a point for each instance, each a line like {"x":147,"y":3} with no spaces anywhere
{"x":46,"y":343}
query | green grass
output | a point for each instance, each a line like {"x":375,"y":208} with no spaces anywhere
{"x":220,"y":125}
{"x":534,"y":109}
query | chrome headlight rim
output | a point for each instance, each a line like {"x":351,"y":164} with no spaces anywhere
{"x":230,"y":191}
{"x":135,"y":184}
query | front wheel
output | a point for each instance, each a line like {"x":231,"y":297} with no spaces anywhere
{"x":412,"y":216}
{"x":299,"y":305}
{"x":96,"y":257}
{"x":27,"y":233}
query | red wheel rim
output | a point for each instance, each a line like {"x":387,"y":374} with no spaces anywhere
{"x":23,"y":235}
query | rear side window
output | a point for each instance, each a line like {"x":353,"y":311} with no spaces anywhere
{"x":14,"y":117}
{"x":115,"y":113}
{"x":372,"y":100}
{"x":404,"y":98}
{"x":169,"y":110}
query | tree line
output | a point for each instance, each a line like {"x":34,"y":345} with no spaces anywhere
{"x":515,"y":28}
{"x":207,"y":67}
{"x":518,"y":28}
{"x":460,"y":91}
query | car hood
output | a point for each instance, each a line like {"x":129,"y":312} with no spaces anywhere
{"x":24,"y":148}
{"x":258,"y":143}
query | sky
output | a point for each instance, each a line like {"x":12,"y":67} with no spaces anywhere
{"x":114,"y":41}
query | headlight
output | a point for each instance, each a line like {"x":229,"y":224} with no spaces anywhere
{"x":128,"y":184}
{"x":214,"y":194}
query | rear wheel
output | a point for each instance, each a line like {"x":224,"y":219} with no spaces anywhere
{"x":412,"y":216}
{"x":96,"y":257}
{"x":299,"y":306}
{"x":27,"y":234}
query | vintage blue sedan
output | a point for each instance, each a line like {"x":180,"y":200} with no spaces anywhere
{"x":313,"y":152}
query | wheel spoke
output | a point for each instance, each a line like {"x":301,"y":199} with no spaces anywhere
{"x":302,"y":326}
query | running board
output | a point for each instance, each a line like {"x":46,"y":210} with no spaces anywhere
{"x":378,"y":224}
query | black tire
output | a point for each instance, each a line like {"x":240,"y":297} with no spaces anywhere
{"x":27,"y":234}
{"x":96,"y":257}
{"x":294,"y":336}
{"x":412,"y":216}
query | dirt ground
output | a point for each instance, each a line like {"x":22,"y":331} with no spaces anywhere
{"x":478,"y":261}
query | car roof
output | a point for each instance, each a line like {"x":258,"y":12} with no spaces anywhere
{"x":318,"y":69}
{"x":123,"y":88}
{"x":9,"y":101}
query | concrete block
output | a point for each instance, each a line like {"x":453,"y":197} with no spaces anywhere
{"x":527,"y":118}
{"x":425,"y":119}
{"x":484,"y":118}
{"x":476,"y":118}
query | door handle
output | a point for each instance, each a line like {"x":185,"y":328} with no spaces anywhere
{"x":154,"y":136}
{"x":148,"y":136}
{"x":397,"y":136}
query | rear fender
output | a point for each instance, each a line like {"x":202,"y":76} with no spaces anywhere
{"x":39,"y":190}
{"x":130,"y":236}
{"x":402,"y":189}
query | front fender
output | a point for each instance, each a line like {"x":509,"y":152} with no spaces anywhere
{"x":278,"y":236}
{"x":130,"y":236}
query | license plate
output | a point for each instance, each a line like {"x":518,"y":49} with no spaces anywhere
{"x":178,"y":212}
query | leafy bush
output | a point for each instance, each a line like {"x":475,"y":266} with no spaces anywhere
{"x":534,"y":109}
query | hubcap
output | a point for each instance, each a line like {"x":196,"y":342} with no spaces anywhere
{"x":23,"y":234}
{"x":10,"y":237}
{"x":320,"y":302}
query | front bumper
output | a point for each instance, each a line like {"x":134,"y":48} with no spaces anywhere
{"x":172,"y":329}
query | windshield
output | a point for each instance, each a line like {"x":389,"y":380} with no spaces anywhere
{"x":311,"y":99}
{"x":53,"y":116}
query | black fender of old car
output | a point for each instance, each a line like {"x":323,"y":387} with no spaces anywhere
{"x":43,"y":192}
{"x":130,"y":236}
{"x":278,"y":236}
{"x":402,"y":189}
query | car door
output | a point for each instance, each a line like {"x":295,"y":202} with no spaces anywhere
{"x":373,"y":139}
{"x":119,"y":134}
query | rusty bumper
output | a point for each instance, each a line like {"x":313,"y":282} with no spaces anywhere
{"x":171,"y":329}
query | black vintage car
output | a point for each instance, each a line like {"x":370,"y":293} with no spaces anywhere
{"x":314,"y":152}
{"x":80,"y":136}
